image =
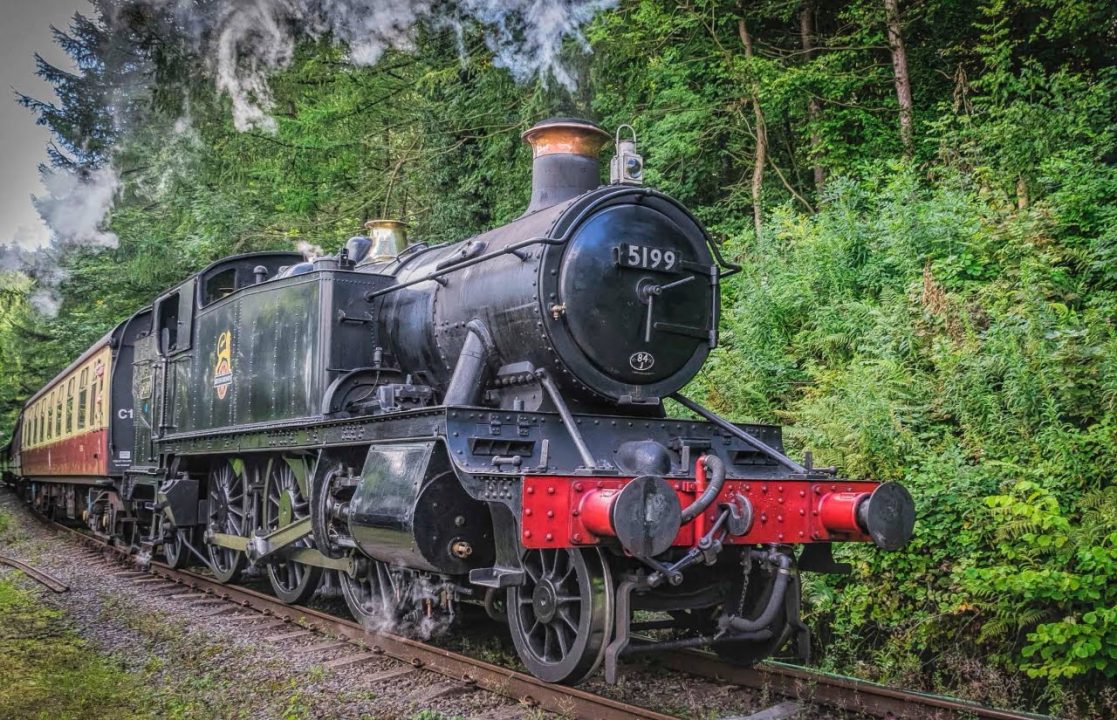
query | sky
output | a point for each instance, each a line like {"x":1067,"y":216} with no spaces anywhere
{"x":25,"y":30}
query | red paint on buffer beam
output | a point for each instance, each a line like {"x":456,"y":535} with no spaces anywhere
{"x":575,"y":511}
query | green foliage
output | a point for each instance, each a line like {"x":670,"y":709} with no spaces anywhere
{"x":49,"y":672}
{"x":947,"y":322}
{"x":1055,"y":569}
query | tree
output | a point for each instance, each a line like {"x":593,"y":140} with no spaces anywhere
{"x":806,"y":38}
{"x":900,"y":74}
{"x":760,"y":130}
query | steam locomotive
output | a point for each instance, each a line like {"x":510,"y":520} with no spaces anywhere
{"x":480,"y":422}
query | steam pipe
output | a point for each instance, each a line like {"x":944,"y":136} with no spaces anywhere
{"x":465,"y":383}
{"x":510,"y":250}
{"x":716,"y":468}
{"x":746,"y":436}
{"x":567,"y":419}
{"x":775,"y":601}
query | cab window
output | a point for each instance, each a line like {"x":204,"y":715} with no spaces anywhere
{"x":174,"y":316}
{"x":219,"y":285}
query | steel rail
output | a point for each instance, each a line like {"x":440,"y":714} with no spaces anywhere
{"x":810,"y":686}
{"x":836,"y":691}
{"x":524,"y":688}
{"x":46,"y":579}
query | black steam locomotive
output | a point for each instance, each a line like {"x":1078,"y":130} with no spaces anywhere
{"x":476,"y":422}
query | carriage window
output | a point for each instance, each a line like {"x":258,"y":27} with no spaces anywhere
{"x":219,"y":285}
{"x":93,"y":401}
{"x":70,"y":406}
{"x":58,"y":413}
{"x":98,"y":411}
{"x":83,"y":397}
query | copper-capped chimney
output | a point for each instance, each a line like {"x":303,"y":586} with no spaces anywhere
{"x":565,"y":160}
{"x":389,"y":239}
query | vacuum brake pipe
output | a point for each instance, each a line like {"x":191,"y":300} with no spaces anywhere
{"x":775,"y":600}
{"x":715,"y":467}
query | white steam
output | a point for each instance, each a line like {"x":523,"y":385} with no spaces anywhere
{"x":243,"y":42}
{"x":309,"y":250}
{"x":246,"y":40}
{"x":74,"y":208}
{"x":526,"y":36}
{"x":75,"y":205}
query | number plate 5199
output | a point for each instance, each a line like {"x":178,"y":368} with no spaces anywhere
{"x":646,"y":258}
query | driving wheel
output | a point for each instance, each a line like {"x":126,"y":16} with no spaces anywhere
{"x":226,"y":515}
{"x":285,"y":503}
{"x":561,"y":614}
{"x":175,"y":551}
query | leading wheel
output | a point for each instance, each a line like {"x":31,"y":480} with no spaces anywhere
{"x":226,"y":515}
{"x":175,"y":551}
{"x":370,"y":595}
{"x":561,"y":615}
{"x":285,"y":503}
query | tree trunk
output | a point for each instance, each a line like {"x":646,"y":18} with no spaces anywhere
{"x":900,"y":72}
{"x":806,"y":34}
{"x":761,"y":133}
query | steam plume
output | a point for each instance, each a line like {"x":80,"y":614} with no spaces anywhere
{"x":245,"y":41}
{"x":74,"y":208}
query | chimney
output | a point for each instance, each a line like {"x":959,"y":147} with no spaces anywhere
{"x":389,"y":239}
{"x":565,"y":160}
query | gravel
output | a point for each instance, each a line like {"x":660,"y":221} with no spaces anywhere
{"x":224,"y":665}
{"x":238,"y":665}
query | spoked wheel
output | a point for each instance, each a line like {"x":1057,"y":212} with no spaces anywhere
{"x":285,"y":503}
{"x":561,"y":615}
{"x":756,"y":596}
{"x":175,"y":551}
{"x":226,"y":515}
{"x":369,"y":595}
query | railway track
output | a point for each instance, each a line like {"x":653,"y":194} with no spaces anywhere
{"x":46,"y":579}
{"x":464,"y":673}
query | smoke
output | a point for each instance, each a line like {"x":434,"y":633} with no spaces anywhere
{"x":244,"y":41}
{"x":526,"y":37}
{"x":309,"y":250}
{"x":46,"y":301}
{"x":73,"y":207}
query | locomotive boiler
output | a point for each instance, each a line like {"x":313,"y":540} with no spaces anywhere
{"x":478,"y":423}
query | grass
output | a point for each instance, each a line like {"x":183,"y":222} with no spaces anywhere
{"x":50,"y":672}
